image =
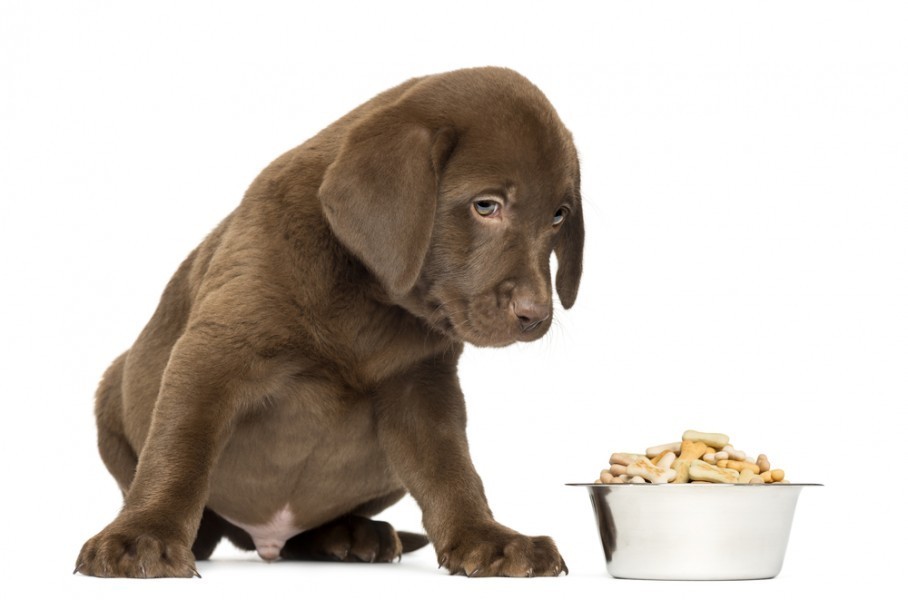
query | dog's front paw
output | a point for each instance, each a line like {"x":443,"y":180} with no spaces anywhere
{"x":493,"y":550}
{"x":127,"y":550}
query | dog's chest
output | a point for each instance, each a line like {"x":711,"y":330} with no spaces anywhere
{"x":384,"y":341}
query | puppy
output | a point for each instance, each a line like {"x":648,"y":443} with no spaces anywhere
{"x":300,"y":372}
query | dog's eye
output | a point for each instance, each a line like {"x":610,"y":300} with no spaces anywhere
{"x":560,"y":214}
{"x":485,"y":207}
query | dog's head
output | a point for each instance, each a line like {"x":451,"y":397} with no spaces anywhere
{"x":455,"y":195}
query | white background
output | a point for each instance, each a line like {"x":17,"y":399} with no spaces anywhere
{"x":746,"y":202}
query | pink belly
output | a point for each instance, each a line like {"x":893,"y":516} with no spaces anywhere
{"x":270,"y":538}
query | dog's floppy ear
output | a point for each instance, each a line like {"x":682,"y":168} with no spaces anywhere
{"x":569,"y":251}
{"x":379,"y":194}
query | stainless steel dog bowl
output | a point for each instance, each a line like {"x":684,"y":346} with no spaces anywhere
{"x":695,"y":532}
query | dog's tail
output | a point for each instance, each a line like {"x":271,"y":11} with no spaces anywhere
{"x":412,"y":541}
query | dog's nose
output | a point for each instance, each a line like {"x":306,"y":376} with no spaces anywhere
{"x":529,"y":314}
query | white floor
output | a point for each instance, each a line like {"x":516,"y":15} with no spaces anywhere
{"x":231,"y":574}
{"x":810,"y":567}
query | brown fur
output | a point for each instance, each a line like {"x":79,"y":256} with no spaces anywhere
{"x":305,"y":354}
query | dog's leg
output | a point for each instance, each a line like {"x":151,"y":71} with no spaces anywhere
{"x":121,"y":459}
{"x":211,"y":530}
{"x":422,"y":428}
{"x":197,"y":403}
{"x":116,"y":452}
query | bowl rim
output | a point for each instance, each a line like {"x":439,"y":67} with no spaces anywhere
{"x":687,"y":486}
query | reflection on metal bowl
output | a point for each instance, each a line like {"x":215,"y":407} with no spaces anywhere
{"x":697,"y":532}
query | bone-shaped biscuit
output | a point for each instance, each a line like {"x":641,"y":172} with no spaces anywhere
{"x":703,"y":471}
{"x":716,"y":440}
{"x":654,"y":451}
{"x":647,"y":470}
{"x":690,"y":451}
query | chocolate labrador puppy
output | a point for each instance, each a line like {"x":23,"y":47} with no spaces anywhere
{"x":300,"y":372}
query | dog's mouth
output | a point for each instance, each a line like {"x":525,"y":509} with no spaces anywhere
{"x":459,"y":322}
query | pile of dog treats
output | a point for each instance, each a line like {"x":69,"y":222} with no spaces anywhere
{"x":698,"y":458}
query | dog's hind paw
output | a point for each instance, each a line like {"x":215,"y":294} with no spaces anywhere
{"x":351,"y":539}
